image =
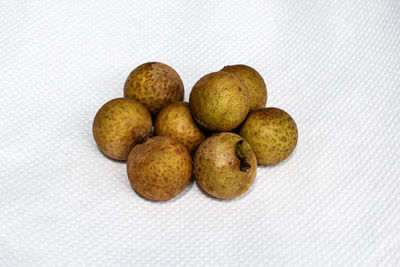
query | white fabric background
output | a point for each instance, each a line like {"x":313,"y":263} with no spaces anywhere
{"x":333,"y":65}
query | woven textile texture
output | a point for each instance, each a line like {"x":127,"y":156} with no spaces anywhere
{"x":333,"y":65}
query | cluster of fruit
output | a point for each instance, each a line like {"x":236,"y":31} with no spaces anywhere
{"x":225,"y":127}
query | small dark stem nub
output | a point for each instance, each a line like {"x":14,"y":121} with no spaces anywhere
{"x":243,"y":151}
{"x":244,"y":166}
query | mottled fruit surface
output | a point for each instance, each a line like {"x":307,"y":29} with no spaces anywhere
{"x":219,"y":170}
{"x":219,"y":101}
{"x":175,"y":120}
{"x":155,"y":85}
{"x":119,"y":125}
{"x":160,"y":168}
{"x":254,"y":82}
{"x":272,"y":133}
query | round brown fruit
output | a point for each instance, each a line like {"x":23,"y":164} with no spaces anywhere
{"x":219,"y":101}
{"x":254,"y":82}
{"x":176,"y":121}
{"x":160,"y":168}
{"x":225,"y":166}
{"x":272,"y":133}
{"x":155,"y":85}
{"x":119,"y":125}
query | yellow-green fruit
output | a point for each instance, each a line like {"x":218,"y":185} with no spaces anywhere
{"x":219,"y":101}
{"x":272,"y":134}
{"x":155,"y":85}
{"x":160,"y":168}
{"x":254,"y":82}
{"x":225,"y":166}
{"x":176,"y":121}
{"x":119,"y":125}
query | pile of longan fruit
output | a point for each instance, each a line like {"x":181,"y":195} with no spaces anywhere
{"x":219,"y":136}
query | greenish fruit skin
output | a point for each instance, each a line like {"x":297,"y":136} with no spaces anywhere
{"x":219,"y":101}
{"x":272,"y":133}
{"x":254,"y":82}
{"x":217,"y":167}
{"x":175,"y":120}
{"x":160,"y":168}
{"x":155,"y":85}
{"x":119,"y":125}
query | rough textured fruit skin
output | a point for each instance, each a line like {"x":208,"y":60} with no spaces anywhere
{"x":119,"y":125}
{"x":155,"y":85}
{"x":217,"y":168}
{"x":254,"y":82}
{"x":175,"y":120}
{"x":219,"y":101}
{"x":272,"y":133}
{"x":160,"y":168}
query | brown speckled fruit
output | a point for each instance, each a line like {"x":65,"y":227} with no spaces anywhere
{"x":176,"y":121}
{"x":225,"y":166}
{"x":160,"y":168}
{"x":119,"y":125}
{"x":219,"y":101}
{"x":272,"y":134}
{"x":155,"y":85}
{"x":254,"y":82}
